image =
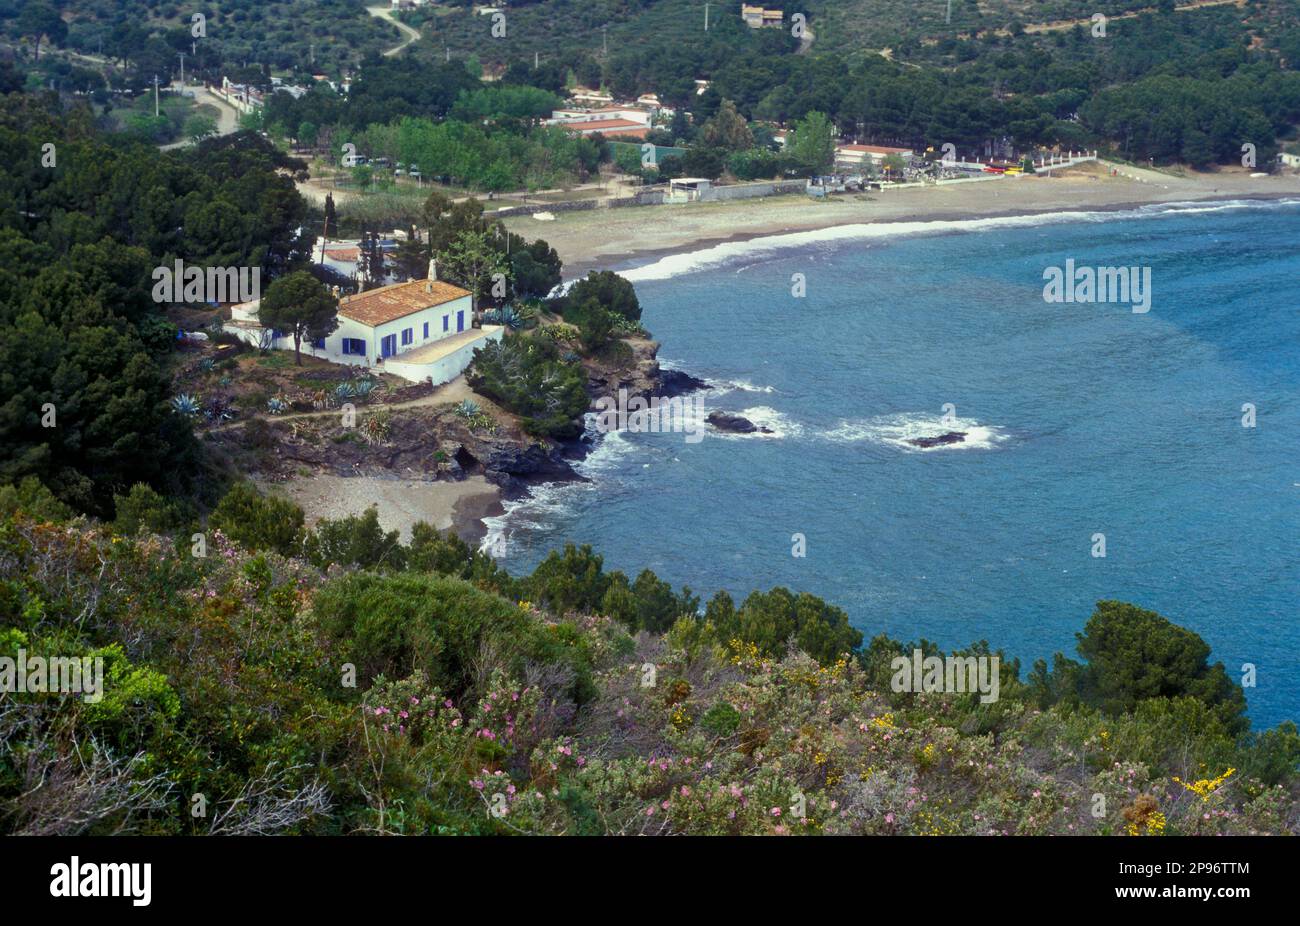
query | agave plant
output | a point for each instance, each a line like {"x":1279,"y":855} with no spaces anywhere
{"x":206,"y":364}
{"x":570,"y":357}
{"x":276,"y":405}
{"x":345,"y":391}
{"x":185,"y":404}
{"x":506,"y":315}
{"x":363,"y":388}
{"x":467,"y":408}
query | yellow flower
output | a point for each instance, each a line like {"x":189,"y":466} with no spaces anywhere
{"x":1205,"y":787}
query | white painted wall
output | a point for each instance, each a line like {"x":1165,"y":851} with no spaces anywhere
{"x":351,"y":328}
{"x":415,"y":322}
{"x":446,"y":368}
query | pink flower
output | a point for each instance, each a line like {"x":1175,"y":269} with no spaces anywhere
{"x":776,"y":811}
{"x":889,"y":818}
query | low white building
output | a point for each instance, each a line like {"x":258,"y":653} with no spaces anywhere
{"x":687,"y":189}
{"x":603,"y":114}
{"x":863,"y":155}
{"x":420,"y":330}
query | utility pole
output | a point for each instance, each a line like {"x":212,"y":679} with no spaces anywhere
{"x":447,"y":52}
{"x":155,"y":96}
{"x":604,"y":40}
{"x":182,"y":57}
{"x":949,"y":19}
{"x":706,"y":17}
{"x":536,"y":60}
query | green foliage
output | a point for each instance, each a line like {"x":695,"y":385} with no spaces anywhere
{"x":649,"y":603}
{"x":393,"y":625}
{"x":812,"y":143}
{"x":1134,"y":655}
{"x":772,"y":619}
{"x":570,"y":581}
{"x":233,"y":672}
{"x":34,"y":500}
{"x":354,"y":541}
{"x":525,"y":376}
{"x":258,"y":522}
{"x":301,"y":306}
{"x":608,"y":290}
{"x":144,"y":509}
{"x":446,"y":554}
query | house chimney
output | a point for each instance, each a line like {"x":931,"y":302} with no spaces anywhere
{"x":433,"y":268}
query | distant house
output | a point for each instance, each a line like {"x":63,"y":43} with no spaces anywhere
{"x":420,"y":330}
{"x":861,"y":156}
{"x":756,"y":17}
{"x":344,"y":257}
{"x":623,"y":128}
{"x":1287,"y":159}
{"x":602,"y":114}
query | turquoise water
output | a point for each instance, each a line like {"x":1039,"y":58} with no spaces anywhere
{"x":1081,"y":419}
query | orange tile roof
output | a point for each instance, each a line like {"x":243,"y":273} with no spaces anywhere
{"x":398,"y":300}
{"x":615,"y":126}
{"x":875,"y":149}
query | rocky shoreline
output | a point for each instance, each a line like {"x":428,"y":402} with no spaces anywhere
{"x":333,"y":471}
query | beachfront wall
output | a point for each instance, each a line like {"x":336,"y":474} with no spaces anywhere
{"x":446,"y":368}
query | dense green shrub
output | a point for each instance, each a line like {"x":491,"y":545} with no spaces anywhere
{"x":526,"y":376}
{"x":258,"y":522}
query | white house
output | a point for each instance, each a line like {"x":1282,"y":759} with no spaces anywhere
{"x":864,"y":155}
{"x":420,"y":330}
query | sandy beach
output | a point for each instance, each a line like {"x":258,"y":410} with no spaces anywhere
{"x":461,"y":505}
{"x":609,"y":238}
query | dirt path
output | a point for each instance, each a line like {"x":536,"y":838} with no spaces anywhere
{"x":451,"y":392}
{"x":1062,"y":25}
{"x":384,"y":13}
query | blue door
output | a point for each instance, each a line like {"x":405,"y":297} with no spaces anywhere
{"x":460,"y":320}
{"x":388,"y":346}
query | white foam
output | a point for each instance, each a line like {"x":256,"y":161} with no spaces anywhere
{"x":721,"y":386}
{"x":545,"y":502}
{"x":719,"y":254}
{"x":898,"y":430}
{"x":764,"y":416}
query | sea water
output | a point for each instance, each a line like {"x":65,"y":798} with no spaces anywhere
{"x":1082,"y":421}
